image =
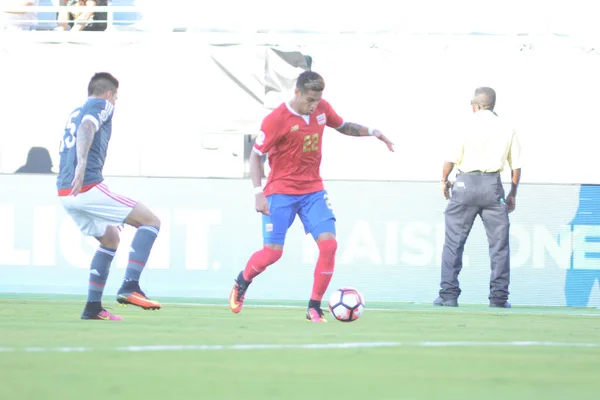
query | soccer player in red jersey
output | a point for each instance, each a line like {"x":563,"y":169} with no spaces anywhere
{"x":291,"y":135}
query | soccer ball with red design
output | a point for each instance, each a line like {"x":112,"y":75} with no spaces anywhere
{"x":346,"y":304}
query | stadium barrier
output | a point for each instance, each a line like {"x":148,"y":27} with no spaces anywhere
{"x":390,"y":239}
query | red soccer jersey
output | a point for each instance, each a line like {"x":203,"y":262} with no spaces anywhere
{"x":293,"y":142}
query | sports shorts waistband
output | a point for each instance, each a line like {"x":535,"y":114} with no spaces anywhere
{"x":85,"y":188}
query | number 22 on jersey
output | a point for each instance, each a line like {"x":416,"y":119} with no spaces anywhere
{"x":311,"y":143}
{"x":68,"y":139}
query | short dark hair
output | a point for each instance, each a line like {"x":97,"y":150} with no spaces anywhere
{"x":310,"y":80}
{"x":485,"y":97}
{"x":101,"y":83}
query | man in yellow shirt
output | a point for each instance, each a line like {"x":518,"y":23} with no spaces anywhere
{"x":486,"y":145}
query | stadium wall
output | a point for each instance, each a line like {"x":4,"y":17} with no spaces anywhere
{"x":390,"y":239}
{"x":194,"y":97}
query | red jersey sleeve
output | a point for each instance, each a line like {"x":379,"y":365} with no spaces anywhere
{"x":269,"y":135}
{"x":333,"y":120}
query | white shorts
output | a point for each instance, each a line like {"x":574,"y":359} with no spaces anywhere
{"x":96,"y":209}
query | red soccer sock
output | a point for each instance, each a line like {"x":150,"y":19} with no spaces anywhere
{"x":324,"y":268}
{"x":259,"y":261}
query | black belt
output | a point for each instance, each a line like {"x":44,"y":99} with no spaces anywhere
{"x":480,"y":173}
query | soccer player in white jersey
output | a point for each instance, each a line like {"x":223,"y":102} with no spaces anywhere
{"x":96,"y":210}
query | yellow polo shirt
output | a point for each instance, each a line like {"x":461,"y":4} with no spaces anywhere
{"x":486,"y":144}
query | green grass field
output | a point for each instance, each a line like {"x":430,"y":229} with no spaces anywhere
{"x":203,"y":351}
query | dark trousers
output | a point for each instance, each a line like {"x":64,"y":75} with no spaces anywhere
{"x":476,"y":194}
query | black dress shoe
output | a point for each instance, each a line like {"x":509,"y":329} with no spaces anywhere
{"x":506,"y":304}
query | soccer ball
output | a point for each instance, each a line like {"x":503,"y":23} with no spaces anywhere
{"x":346,"y":304}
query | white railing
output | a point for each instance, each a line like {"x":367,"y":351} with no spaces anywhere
{"x":151,"y":20}
{"x":109,"y":10}
{"x":253,"y":23}
{"x":342,"y":16}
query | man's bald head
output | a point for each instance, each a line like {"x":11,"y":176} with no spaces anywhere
{"x":485,"y":98}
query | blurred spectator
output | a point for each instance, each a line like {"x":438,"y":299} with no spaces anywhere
{"x":38,"y":162}
{"x":46,"y":20}
{"x":130,"y":19}
{"x":24,"y":21}
{"x":83,"y":20}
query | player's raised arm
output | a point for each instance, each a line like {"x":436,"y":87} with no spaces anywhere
{"x":354,"y":129}
{"x":85,"y":137}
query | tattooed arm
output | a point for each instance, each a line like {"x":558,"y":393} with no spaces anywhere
{"x":353,"y":129}
{"x":85,"y":137}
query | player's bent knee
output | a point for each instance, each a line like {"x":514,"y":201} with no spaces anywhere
{"x":141,"y":215}
{"x":274,"y":246}
{"x":110,"y":239}
{"x":327,"y":249}
{"x":325,"y":236}
{"x":272,"y":255}
{"x":325,"y":230}
{"x":155,"y":221}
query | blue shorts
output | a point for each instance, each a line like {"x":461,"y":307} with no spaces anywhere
{"x":314,"y":210}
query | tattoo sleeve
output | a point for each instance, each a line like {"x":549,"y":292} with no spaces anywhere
{"x":85,"y":136}
{"x":352,"y":129}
